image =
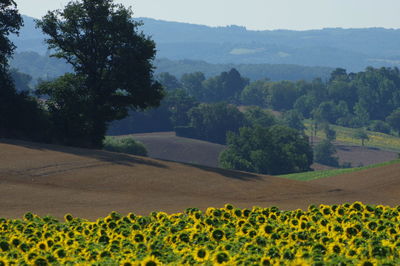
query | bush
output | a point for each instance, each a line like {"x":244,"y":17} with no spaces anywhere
{"x":125,"y":145}
{"x":379,"y":126}
{"x":324,"y":152}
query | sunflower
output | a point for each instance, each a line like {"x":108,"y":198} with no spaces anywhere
{"x":201,"y":254}
{"x":127,"y":262}
{"x":300,"y":262}
{"x":221,"y":257}
{"x":150,"y":261}
{"x":4,"y":262}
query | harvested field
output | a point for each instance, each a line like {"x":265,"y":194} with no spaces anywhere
{"x":49,"y":179}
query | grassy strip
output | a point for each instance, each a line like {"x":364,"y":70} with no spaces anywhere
{"x":124,"y":145}
{"x":307,"y":176}
{"x":345,"y":135}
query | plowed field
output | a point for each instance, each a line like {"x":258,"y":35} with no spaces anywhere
{"x":49,"y":179}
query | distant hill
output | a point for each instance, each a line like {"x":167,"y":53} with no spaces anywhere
{"x":44,"y":67}
{"x":353,"y":49}
{"x":274,"y":72}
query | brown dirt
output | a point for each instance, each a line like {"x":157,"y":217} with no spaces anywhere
{"x":373,"y":185}
{"x":167,"y":146}
{"x":358,"y":155}
{"x":48,"y":179}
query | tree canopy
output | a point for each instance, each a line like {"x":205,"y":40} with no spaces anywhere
{"x":274,"y":150}
{"x":20,"y":116}
{"x":111,"y":58}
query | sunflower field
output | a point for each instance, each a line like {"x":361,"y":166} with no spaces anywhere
{"x":352,"y":234}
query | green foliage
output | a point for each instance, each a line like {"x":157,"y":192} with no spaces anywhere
{"x":346,"y":135}
{"x":379,"y":126}
{"x":330,"y":134}
{"x":213,"y":121}
{"x":394,"y":120}
{"x":111,"y":57}
{"x":293,"y":119}
{"x":124,"y":145}
{"x":327,"y":112}
{"x":172,"y":112}
{"x":362,"y":135}
{"x":361,"y":118}
{"x":20,"y":115}
{"x":274,"y":150}
{"x":305,"y":105}
{"x":324,"y":153}
{"x":168,"y":81}
{"x":225,"y":87}
{"x":193,"y":83}
{"x":69,"y":109}
{"x":179,"y":103}
{"x":10,"y":23}
{"x":283,"y":95}
{"x":256,"y":93}
{"x":21,"y":81}
{"x":255,"y":116}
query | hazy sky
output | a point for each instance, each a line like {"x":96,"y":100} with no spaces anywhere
{"x":255,"y":14}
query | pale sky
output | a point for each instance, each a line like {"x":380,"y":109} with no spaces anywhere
{"x":254,"y":14}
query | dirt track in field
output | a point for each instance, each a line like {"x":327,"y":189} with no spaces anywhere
{"x":55,"y":180}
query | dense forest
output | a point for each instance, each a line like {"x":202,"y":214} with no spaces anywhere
{"x":370,"y":98}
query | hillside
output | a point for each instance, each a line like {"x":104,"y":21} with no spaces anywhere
{"x":167,"y":146}
{"x":353,"y":49}
{"x":49,"y":179}
{"x":45,"y":67}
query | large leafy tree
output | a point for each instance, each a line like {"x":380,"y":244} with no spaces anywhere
{"x":274,"y":150}
{"x":213,"y":121}
{"x":394,"y":120}
{"x":225,"y":87}
{"x":324,"y":153}
{"x":10,"y":23}
{"x":19,"y":114}
{"x":110,"y":57}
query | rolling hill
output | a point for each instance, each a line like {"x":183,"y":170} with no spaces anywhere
{"x":50,"y":179}
{"x":167,"y":146}
{"x":353,"y":49}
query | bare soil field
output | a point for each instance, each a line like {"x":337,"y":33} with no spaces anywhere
{"x":167,"y":146}
{"x":55,"y":180}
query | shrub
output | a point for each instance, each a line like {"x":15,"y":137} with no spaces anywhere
{"x":324,"y":152}
{"x":379,"y":126}
{"x":125,"y":145}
